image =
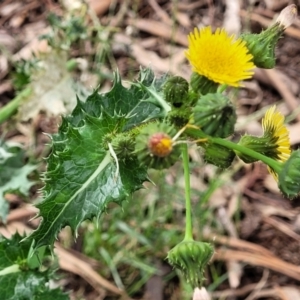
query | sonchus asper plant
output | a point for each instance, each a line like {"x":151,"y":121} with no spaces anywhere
{"x":103,"y":150}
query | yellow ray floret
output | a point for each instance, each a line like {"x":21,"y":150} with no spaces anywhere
{"x":274,"y":127}
{"x":219,"y":57}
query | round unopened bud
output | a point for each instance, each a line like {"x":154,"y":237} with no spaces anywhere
{"x":218,"y":155}
{"x":154,"y":146}
{"x":176,"y":90}
{"x":215,"y":115}
{"x":179,"y":117}
{"x":160,"y":144}
{"x":123,"y":145}
{"x":289,"y":176}
{"x":191,"y":258}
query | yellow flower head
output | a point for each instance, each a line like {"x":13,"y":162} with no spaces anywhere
{"x":219,"y":57}
{"x":278,"y":135}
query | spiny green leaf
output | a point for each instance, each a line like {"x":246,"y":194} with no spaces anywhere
{"x":82,"y":176}
{"x":13,"y":252}
{"x":28,"y":285}
{"x":13,"y":174}
{"x":134,"y":103}
{"x":17,"y":279}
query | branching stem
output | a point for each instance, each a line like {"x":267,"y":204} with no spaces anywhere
{"x":197,"y":133}
{"x":113,"y":154}
{"x":11,"y":269}
{"x":188,"y":209}
{"x":9,"y":109}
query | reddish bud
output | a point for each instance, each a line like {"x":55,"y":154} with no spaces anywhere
{"x":160,"y":144}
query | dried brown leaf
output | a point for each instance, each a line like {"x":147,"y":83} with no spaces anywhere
{"x":255,"y":259}
{"x":159,"y":29}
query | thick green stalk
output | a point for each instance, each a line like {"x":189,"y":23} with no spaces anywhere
{"x":10,"y":108}
{"x":188,"y":208}
{"x":275,"y":165}
{"x":11,"y":269}
{"x":198,"y":134}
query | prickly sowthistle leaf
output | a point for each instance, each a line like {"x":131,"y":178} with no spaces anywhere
{"x":13,"y":174}
{"x":19,"y":279}
{"x":82,"y":177}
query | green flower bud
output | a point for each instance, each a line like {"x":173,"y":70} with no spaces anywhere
{"x":270,"y":144}
{"x":215,"y":115}
{"x":191,"y":258}
{"x":154,"y":146}
{"x":124,"y":146}
{"x":289,"y":176}
{"x":193,"y":98}
{"x":202,"y":85}
{"x":176,"y":90}
{"x":107,"y":139}
{"x":218,"y":155}
{"x":259,"y":144}
{"x":179,"y":117}
{"x":262,"y":45}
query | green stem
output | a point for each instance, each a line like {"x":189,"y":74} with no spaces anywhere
{"x":198,"y":134}
{"x":221,"y":88}
{"x":11,"y":269}
{"x":188,"y":209}
{"x":10,"y":108}
{"x":275,"y":165}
